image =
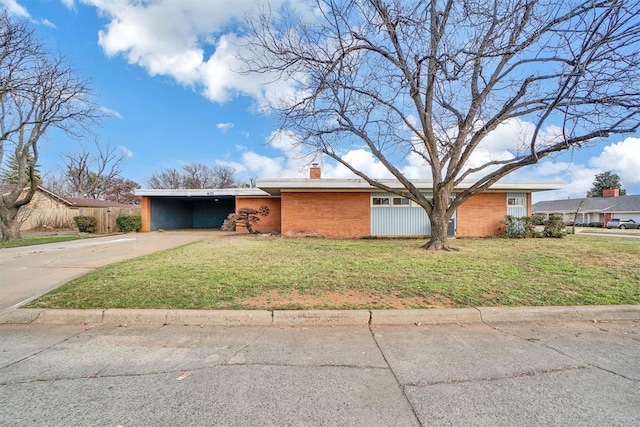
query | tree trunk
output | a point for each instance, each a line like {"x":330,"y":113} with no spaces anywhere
{"x":9,"y":224}
{"x":439,"y":219}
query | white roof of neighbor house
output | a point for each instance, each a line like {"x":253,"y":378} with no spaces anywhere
{"x":205,"y":192}
{"x":276,"y":186}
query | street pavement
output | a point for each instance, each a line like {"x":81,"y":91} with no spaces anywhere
{"x":578,"y":373}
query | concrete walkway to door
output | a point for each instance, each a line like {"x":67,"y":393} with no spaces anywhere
{"x":30,"y":271}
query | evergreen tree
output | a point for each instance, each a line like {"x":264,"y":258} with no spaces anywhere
{"x":11,"y":170}
{"x":604,"y":181}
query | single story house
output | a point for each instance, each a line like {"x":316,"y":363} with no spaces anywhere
{"x":333,"y":208}
{"x":592,"y":209}
{"x":50,"y":210}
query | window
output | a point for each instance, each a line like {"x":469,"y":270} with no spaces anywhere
{"x":380,"y":201}
{"x":400,"y":201}
{"x":515,"y":201}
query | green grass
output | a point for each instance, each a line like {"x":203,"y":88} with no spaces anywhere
{"x":39,"y":240}
{"x":233,"y":273}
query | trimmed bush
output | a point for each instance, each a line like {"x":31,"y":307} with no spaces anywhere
{"x":554,"y":227}
{"x":85,"y":224}
{"x":523,"y":227}
{"x":128,"y":223}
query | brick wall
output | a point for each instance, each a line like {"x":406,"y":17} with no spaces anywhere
{"x":482,"y":215}
{"x":267,"y":223}
{"x":327,"y":214}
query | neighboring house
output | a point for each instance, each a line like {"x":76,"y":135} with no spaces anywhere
{"x":592,"y":209}
{"x":333,"y":208}
{"x":48,"y":210}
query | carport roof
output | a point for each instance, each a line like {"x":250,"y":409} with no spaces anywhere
{"x":205,"y":192}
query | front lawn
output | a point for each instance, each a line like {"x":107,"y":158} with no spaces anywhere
{"x":273,"y":273}
{"x":49,"y":238}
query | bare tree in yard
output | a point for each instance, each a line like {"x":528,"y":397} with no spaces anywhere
{"x":38,"y":92}
{"x":432,"y":79}
{"x":91,"y":173}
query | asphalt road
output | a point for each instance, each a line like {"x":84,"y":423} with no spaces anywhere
{"x":30,"y":271}
{"x":501,"y":374}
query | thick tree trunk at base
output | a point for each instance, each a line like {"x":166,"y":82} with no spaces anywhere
{"x":9,"y":225}
{"x":438,"y":240}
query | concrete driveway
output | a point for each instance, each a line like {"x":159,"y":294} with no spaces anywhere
{"x":30,"y":271}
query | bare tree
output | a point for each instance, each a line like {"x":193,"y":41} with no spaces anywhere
{"x":38,"y":91}
{"x":432,"y":79}
{"x":194,"y":175}
{"x":224,"y":177}
{"x":90,"y":173}
{"x":198,"y":175}
{"x":168,"y":178}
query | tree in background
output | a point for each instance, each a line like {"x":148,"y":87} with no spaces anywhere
{"x":168,"y":179}
{"x":11,"y":171}
{"x":193,"y":176}
{"x":38,"y":92}
{"x":90,"y":173}
{"x":432,"y":79}
{"x":604,"y":181}
{"x":121,"y":190}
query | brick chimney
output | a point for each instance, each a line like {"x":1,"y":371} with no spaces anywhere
{"x":610,"y":192}
{"x":315,"y":172}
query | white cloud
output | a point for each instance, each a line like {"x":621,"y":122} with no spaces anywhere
{"x":16,"y":9}
{"x":224,"y":127}
{"x":110,"y":113}
{"x":191,"y":41}
{"x":622,"y":158}
{"x":125,"y":151}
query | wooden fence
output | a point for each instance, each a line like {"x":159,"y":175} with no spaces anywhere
{"x":106,"y":217}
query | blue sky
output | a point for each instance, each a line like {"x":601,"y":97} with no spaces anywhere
{"x":164,"y":74}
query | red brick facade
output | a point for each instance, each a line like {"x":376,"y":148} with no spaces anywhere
{"x":269,"y":217}
{"x":329,"y":214}
{"x":483,"y":215}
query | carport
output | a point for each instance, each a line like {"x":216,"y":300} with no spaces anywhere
{"x":189,"y":208}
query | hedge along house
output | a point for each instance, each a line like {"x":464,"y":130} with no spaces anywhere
{"x":343,"y":208}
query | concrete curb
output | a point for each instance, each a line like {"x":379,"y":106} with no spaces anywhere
{"x":425,"y":316}
{"x":319,"y":317}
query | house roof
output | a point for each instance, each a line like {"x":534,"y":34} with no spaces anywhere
{"x":238,"y":192}
{"x":276,"y":186}
{"x":70,"y":201}
{"x":620,"y":204}
{"x":95,"y":203}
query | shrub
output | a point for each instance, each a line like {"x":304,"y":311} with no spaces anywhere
{"x":537,"y":219}
{"x":554,"y":227}
{"x":520,"y":227}
{"x":244,"y":217}
{"x":127,"y":223}
{"x":85,"y":224}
